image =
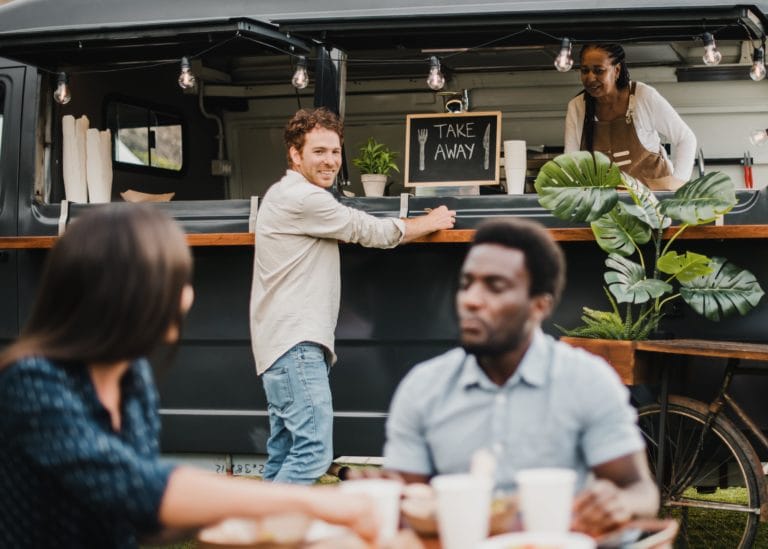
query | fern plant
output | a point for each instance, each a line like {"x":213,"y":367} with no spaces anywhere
{"x":644,"y":272}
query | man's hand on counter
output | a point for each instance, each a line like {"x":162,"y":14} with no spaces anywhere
{"x":437,"y":219}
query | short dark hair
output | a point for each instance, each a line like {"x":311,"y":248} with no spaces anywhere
{"x":111,"y":288}
{"x":306,"y":120}
{"x":544,"y":258}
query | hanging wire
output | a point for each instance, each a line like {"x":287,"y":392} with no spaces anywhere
{"x":402,"y":60}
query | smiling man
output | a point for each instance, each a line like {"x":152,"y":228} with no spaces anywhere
{"x":297,"y":287}
{"x":511,"y":389}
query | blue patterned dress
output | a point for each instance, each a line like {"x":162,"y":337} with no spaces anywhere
{"x":67,"y":479}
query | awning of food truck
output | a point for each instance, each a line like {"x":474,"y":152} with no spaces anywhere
{"x":51,"y":33}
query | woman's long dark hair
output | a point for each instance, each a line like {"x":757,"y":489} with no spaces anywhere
{"x":111,"y":288}
{"x":616,"y":54}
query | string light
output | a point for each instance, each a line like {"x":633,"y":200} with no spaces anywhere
{"x":435,"y":80}
{"x":757,"y":72}
{"x":300,"y":78}
{"x":712,"y":55}
{"x":564,"y":61}
{"x":62,"y":95}
{"x":187,"y":78}
{"x":758,"y":137}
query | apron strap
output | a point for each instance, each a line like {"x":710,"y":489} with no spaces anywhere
{"x":631,"y":106}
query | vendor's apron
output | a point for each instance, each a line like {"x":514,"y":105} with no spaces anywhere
{"x":618,"y":139}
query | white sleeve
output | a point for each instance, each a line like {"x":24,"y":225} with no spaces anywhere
{"x":574,"y":122}
{"x":322,"y":216}
{"x":665,"y":120}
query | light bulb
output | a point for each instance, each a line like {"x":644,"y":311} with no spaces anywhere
{"x":187,"y":78}
{"x":711,"y":54}
{"x":62,"y":95}
{"x":435,"y":80}
{"x":757,"y":72}
{"x":300,"y":78}
{"x":564,"y":61}
{"x":758,"y":137}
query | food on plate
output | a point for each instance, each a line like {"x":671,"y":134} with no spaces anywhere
{"x":276,"y":530}
{"x":419,"y":509}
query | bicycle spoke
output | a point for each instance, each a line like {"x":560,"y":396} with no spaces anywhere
{"x":709,"y":484}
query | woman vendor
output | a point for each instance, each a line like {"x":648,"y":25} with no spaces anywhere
{"x":624,"y":119}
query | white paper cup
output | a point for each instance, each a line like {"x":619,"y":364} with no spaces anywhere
{"x":385,"y":494}
{"x":463,"y":509}
{"x":515,"y":165}
{"x":546,"y":499}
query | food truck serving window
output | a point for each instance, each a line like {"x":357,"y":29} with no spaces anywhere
{"x":145,"y":137}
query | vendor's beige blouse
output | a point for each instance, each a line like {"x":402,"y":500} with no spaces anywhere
{"x":296,"y":273}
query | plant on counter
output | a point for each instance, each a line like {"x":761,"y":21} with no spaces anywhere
{"x":584,"y":187}
{"x":375,"y":158}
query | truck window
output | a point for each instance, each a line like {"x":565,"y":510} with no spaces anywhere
{"x":143,"y":136}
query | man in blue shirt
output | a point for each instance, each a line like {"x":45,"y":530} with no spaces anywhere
{"x":532,"y":401}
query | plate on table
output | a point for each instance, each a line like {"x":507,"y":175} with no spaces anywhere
{"x":272,"y":532}
{"x":539,"y":540}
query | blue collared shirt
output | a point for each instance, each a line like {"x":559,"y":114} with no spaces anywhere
{"x":563,"y":407}
{"x":67,"y":479}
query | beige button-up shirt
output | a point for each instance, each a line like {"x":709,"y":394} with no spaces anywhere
{"x":297,"y":273}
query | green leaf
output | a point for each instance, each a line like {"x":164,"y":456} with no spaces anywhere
{"x":701,"y":200}
{"x":628,"y":282}
{"x":685,"y":267}
{"x":579,"y":186}
{"x":646,"y":207}
{"x":618,"y":231}
{"x":726,"y":290}
{"x":375,"y":157}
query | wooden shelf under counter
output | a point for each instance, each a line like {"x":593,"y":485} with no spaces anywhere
{"x":578,"y":234}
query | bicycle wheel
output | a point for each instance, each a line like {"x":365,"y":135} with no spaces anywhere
{"x":716,"y":499}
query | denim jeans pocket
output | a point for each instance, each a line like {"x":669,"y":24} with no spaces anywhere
{"x":277,"y":386}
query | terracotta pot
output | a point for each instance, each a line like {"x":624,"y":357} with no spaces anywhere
{"x":619,"y":353}
{"x":374,"y":183}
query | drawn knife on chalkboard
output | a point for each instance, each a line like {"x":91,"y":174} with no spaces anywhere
{"x":486,"y":145}
{"x":423,"y":133}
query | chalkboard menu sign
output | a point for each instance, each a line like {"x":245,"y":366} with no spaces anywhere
{"x":452,"y":149}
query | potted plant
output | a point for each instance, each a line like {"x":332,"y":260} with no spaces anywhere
{"x":375,"y":160}
{"x":644,"y":273}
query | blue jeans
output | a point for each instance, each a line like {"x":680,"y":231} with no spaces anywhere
{"x":300,"y":445}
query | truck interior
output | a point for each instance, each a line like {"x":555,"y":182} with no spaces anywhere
{"x":221,"y":138}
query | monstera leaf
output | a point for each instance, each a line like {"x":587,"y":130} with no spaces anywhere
{"x":701,"y":200}
{"x":685,"y":267}
{"x":628,"y":282}
{"x":646,"y":207}
{"x":726,"y":290}
{"x":618,"y":231}
{"x":579,"y":186}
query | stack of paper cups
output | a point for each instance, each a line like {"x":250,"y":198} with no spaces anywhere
{"x":515,"y":163}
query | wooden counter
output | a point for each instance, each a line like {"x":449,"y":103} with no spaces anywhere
{"x":581,"y":234}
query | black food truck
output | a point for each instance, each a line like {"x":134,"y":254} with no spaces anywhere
{"x":183,"y":104}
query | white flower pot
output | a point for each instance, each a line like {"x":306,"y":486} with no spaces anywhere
{"x":374,"y":184}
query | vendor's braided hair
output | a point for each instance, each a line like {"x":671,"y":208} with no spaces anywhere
{"x":617,"y":56}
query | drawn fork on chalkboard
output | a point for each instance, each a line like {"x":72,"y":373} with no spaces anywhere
{"x":422,"y":143}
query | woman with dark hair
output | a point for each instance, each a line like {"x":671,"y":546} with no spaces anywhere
{"x":624,"y":119}
{"x":79,"y":422}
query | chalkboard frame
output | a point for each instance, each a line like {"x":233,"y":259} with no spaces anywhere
{"x":416,"y":122}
